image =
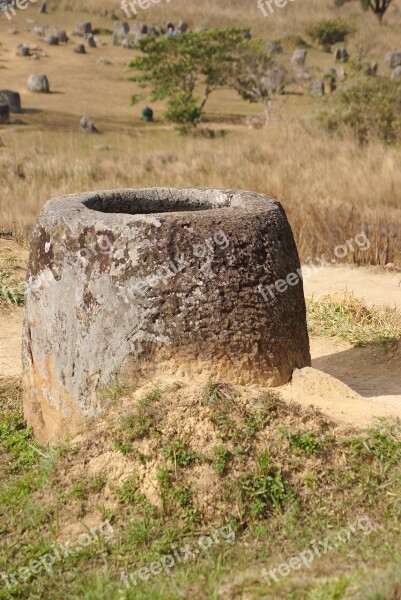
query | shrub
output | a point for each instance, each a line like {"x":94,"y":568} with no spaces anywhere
{"x":328,"y":32}
{"x":370,"y":107}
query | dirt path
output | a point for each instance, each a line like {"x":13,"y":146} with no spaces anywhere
{"x":374,"y":285}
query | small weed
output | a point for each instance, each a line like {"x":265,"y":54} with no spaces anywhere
{"x":221,"y":457}
{"x":305,"y":442}
{"x":179,"y":454}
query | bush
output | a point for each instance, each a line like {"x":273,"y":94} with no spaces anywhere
{"x":328,"y":32}
{"x":370,"y":107}
{"x":183,"y":111}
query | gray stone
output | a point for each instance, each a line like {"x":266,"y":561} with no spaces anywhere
{"x":341,"y":55}
{"x":298,"y":59}
{"x":156,"y":283}
{"x":127,"y":43}
{"x":104,"y":61}
{"x":4,"y":113}
{"x":316,"y":88}
{"x":39,"y":31}
{"x":13,"y":99}
{"x":83,"y":27}
{"x":121,"y":28}
{"x":90,"y":40}
{"x":396,"y":74}
{"x":61,"y":34}
{"x":80,"y":49}
{"x":23,"y":50}
{"x":43,"y":8}
{"x":183,"y":27}
{"x":87,"y":125}
{"x":52,"y":40}
{"x":392,"y":59}
{"x":370,"y":69}
{"x":38,"y":83}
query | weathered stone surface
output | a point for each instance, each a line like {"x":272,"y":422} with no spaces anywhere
{"x":23,"y":50}
{"x":87,"y":125}
{"x":83,"y":27}
{"x":298,"y":59}
{"x":4,"y":112}
{"x":38,"y":83}
{"x":52,"y":40}
{"x":392,"y":59}
{"x":396,"y":74}
{"x":341,"y":55}
{"x":80,"y":49}
{"x":155,"y":282}
{"x":13,"y":99}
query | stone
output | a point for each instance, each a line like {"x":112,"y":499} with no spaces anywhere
{"x":128,"y":285}
{"x":83,"y":27}
{"x":341,"y":55}
{"x":298,"y":59}
{"x":183,"y":27}
{"x":38,"y":84}
{"x":90,"y":40}
{"x":80,"y":49}
{"x":87,"y":125}
{"x":4,"y":113}
{"x":370,"y":69}
{"x":52,"y":40}
{"x":147,"y":114}
{"x":39,"y":31}
{"x":121,"y":31}
{"x":12,"y":31}
{"x":127,"y":43}
{"x":341,"y":74}
{"x":392,"y":59}
{"x":396,"y":74}
{"x":316,"y":88}
{"x":13,"y":99}
{"x":23,"y":50}
{"x":61,"y":35}
{"x":43,"y":8}
{"x":104,"y":61}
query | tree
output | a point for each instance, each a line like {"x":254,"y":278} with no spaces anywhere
{"x":179,"y":67}
{"x":258,"y":77}
{"x":379,"y":7}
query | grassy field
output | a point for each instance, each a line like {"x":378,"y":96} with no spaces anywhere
{"x":331,"y":188}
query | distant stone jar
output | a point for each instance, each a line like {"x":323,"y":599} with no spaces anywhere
{"x":147,"y":114}
{"x":156,"y":282}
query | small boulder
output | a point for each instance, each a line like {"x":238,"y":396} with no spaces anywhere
{"x":104,"y":61}
{"x":392,"y":60}
{"x":43,"y":8}
{"x":4,"y":113}
{"x":90,"y":40}
{"x":147,"y":114}
{"x":83,"y":27}
{"x":80,"y":49}
{"x":396,"y":74}
{"x":298,"y":59}
{"x":341,"y":55}
{"x":13,"y":99}
{"x":183,"y":27}
{"x":52,"y":40}
{"x":127,"y":43}
{"x":38,"y":84}
{"x":38,"y":31}
{"x":23,"y":50}
{"x":316,"y":88}
{"x":87,"y":125}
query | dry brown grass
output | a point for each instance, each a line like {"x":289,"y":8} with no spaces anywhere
{"x":330,"y":188}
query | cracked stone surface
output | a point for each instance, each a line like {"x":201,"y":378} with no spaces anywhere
{"x":131,"y":284}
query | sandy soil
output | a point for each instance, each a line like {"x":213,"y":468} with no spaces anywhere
{"x":373,"y":284}
{"x":351,"y":385}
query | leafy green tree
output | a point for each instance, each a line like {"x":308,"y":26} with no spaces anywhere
{"x":379,"y":7}
{"x":178,"y":68}
{"x":258,"y":77}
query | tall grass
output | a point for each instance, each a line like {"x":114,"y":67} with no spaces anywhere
{"x":331,"y":188}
